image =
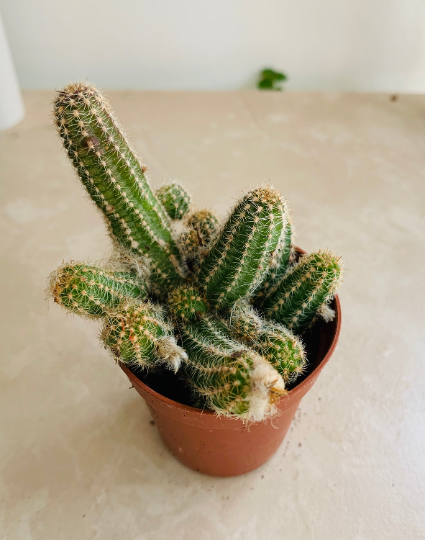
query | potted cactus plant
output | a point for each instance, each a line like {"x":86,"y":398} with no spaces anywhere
{"x":214,"y":326}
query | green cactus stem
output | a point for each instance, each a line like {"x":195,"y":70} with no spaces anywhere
{"x":278,"y":265}
{"x":175,"y":199}
{"x":273,"y":341}
{"x":116,"y":180}
{"x":241,"y":253}
{"x":234,"y":380}
{"x":205,"y":224}
{"x":187,"y":304}
{"x":89,"y":290}
{"x":305,"y":291}
{"x":139,"y":335}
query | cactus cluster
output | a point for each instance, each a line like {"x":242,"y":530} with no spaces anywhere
{"x":225,"y":304}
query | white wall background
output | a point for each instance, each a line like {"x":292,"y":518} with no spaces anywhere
{"x":368,"y":45}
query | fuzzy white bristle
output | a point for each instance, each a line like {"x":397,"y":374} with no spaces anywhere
{"x":170,"y":352}
{"x":265,"y":380}
{"x":327,"y":313}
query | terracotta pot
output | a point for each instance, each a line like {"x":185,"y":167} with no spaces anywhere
{"x":226,"y":447}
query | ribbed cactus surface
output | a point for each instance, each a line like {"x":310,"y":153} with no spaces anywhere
{"x":241,"y":254}
{"x":277,"y":344}
{"x":305,"y":290}
{"x":278,"y":265}
{"x":175,"y":199}
{"x":116,"y":180}
{"x":89,"y":290}
{"x":139,"y":335}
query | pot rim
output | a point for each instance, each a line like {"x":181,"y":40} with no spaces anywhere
{"x":301,"y":388}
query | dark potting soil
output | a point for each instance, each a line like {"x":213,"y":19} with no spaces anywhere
{"x":174,"y":385}
{"x":169,"y":384}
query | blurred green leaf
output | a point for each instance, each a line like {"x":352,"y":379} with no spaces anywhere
{"x":268,"y":74}
{"x":268,"y":79}
{"x":265,"y":83}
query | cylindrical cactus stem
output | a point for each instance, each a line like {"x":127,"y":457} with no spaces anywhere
{"x":233,"y":379}
{"x":273,"y":341}
{"x":139,"y":335}
{"x":116,"y":180}
{"x":305,"y":290}
{"x":241,"y":253}
{"x":175,"y":200}
{"x":278,"y":265}
{"x":88,"y":290}
{"x":205,"y":224}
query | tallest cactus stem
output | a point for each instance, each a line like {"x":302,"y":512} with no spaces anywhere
{"x":116,"y":180}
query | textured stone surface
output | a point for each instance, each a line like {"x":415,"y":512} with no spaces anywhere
{"x":79,"y":457}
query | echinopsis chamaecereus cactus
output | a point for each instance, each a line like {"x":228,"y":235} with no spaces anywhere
{"x":239,"y":259}
{"x":175,"y":199}
{"x":223,"y":304}
{"x":233,"y":379}
{"x":279,"y":264}
{"x":305,"y":292}
{"x":277,"y":344}
{"x":116,"y":180}
{"x":139,"y":335}
{"x":88,"y":290}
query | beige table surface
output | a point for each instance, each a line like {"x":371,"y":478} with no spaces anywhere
{"x":79,"y":457}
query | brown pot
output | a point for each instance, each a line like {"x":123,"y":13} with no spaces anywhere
{"x":222,"y":446}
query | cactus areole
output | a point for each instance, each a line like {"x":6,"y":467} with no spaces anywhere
{"x":223,"y":304}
